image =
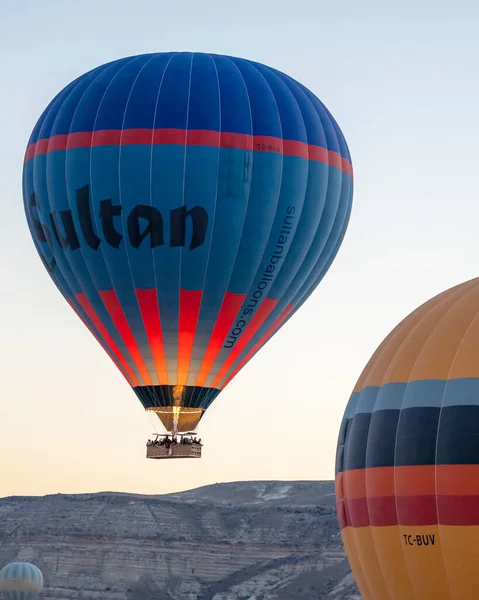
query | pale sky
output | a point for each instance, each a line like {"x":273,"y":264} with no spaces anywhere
{"x":401,"y":80}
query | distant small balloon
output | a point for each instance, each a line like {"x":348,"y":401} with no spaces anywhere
{"x":21,"y":581}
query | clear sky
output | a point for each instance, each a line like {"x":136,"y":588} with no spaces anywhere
{"x":400,"y":78}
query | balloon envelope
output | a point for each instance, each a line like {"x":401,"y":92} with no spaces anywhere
{"x":186,"y":205}
{"x":407,"y":469}
{"x":21,"y":581}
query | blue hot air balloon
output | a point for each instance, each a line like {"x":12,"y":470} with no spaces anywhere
{"x":21,"y":581}
{"x":186,"y":205}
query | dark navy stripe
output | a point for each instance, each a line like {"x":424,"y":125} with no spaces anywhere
{"x":153,"y":396}
{"x":413,"y":436}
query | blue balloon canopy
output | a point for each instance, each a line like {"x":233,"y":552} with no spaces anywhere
{"x":21,"y":581}
{"x":186,"y":205}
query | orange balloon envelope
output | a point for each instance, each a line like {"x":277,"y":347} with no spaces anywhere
{"x":407,"y":464}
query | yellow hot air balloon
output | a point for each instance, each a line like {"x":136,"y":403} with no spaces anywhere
{"x":407,"y":465}
{"x":21,"y":581}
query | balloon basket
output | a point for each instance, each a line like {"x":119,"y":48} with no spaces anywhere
{"x":167,"y":449}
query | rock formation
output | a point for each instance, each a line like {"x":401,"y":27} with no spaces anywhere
{"x":235,"y":541}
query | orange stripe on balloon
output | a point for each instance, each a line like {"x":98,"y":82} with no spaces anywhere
{"x":228,"y":312}
{"x":457,"y":479}
{"x":274,"y":327}
{"x":190,"y":302}
{"x":263,"y":312}
{"x":412,"y":480}
{"x":113,"y":306}
{"x":351,"y":484}
{"x":150,"y":313}
{"x":91,"y":314}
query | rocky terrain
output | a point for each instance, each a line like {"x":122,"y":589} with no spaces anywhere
{"x":234,"y":541}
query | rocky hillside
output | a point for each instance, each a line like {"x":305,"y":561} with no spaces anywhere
{"x":235,"y":541}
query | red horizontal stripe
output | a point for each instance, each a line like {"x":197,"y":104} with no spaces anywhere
{"x":195,"y":137}
{"x":409,"y":511}
{"x":295,"y":148}
{"x":192,"y":137}
{"x":458,"y":510}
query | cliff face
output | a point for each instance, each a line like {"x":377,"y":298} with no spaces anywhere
{"x":238,"y":541}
